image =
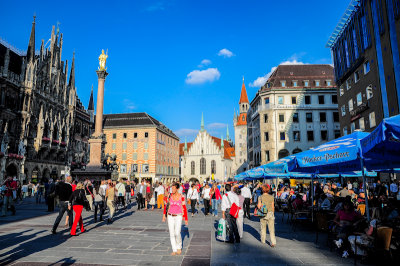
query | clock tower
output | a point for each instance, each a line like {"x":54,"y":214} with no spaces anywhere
{"x":240,"y":125}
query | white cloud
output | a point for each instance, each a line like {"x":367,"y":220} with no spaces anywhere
{"x":260,"y":81}
{"x":186,"y":132}
{"x":225,"y":53}
{"x":202,"y":76}
{"x":216,"y":125}
{"x":129,"y":105}
{"x":204,"y":62}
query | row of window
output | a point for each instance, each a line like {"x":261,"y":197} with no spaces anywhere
{"x":125,"y":135}
{"x":306,"y":83}
{"x":307,"y":99}
{"x":309,"y":117}
{"x":361,"y":124}
{"x":164,"y":138}
{"x":297,"y":135}
{"x":359,"y":100}
{"x":203,"y":168}
{"x":135,"y":168}
{"x":357,"y":78}
{"x":125,"y":146}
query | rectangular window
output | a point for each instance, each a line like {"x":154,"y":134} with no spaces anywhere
{"x":356,"y":76}
{"x":355,"y":44}
{"x":310,"y":135}
{"x":337,"y":134}
{"x":309,"y":117}
{"x":296,"y":135}
{"x":267,"y":156}
{"x":281,"y":118}
{"x":123,"y":156}
{"x":343,"y":108}
{"x":114,"y":135}
{"x":125,"y":135}
{"x":328,"y":83}
{"x":362,"y":123}
{"x":135,"y":145}
{"x":124,"y":145}
{"x":346,"y":51}
{"x":294,"y":83}
{"x":359,"y":99}
{"x":366,"y":67}
{"x":322,"y":117}
{"x":146,"y":134}
{"x":265,"y":118}
{"x":296,"y":118}
{"x":283,"y":83}
{"x":294,"y":100}
{"x":317,"y":83}
{"x":114,"y":146}
{"x":135,"y":135}
{"x":122,"y":169}
{"x":134,"y":156}
{"x":335,"y":116}
{"x":350,"y":105}
{"x":266,"y":136}
{"x":321,"y":99}
{"x":352,"y":127}
{"x":282,"y":136}
{"x":372,"y":122}
{"x":134,"y":168}
{"x":369,"y":92}
{"x":348,"y":84}
{"x":324,"y":135}
{"x":280,"y":99}
{"x":146,"y":145}
{"x":145,"y":156}
{"x":306,"y":83}
{"x":307,"y":99}
{"x":145,"y":168}
{"x":334,"y":99}
{"x":267,"y":100}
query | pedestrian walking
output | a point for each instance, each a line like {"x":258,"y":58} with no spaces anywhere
{"x":64,"y":191}
{"x":141,"y":194}
{"x":25,"y":190}
{"x":110,"y":199}
{"x":120,"y":187}
{"x":193,"y":197}
{"x":89,"y":192}
{"x":267,"y":200}
{"x":50,"y":192}
{"x":149,"y":194}
{"x":206,"y":198}
{"x":39,"y":192}
{"x":239,"y":220}
{"x":175,"y":211}
{"x":98,"y":201}
{"x":77,"y":202}
{"x":228,"y":201}
{"x":128,"y":191}
{"x":215,"y":199}
{"x":160,"y":196}
{"x":246,"y":193}
{"x":8,"y":201}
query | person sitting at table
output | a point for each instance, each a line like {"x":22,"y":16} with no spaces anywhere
{"x":324,"y":202}
{"x":284,"y":194}
{"x":346,"y":219}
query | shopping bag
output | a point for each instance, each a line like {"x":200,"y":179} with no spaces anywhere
{"x":221,"y":233}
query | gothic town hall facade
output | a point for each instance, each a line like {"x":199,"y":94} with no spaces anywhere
{"x":44,"y":127}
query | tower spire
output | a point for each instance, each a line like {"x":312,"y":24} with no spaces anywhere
{"x":243,"y":94}
{"x":31,"y":46}
{"x":227,"y":133}
{"x":202,"y":122}
{"x":222,"y":142}
{"x":72,"y":76}
{"x":91,"y":105}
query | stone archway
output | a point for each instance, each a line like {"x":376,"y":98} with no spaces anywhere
{"x":46,"y":175}
{"x":12,"y":170}
{"x":283,"y":153}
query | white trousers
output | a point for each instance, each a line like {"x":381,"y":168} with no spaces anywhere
{"x":174,"y":226}
{"x":239,"y":222}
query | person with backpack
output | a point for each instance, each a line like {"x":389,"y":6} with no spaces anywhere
{"x":98,"y":201}
{"x":77,"y":201}
{"x":230,"y":212}
{"x":174,"y":212}
{"x":266,"y":201}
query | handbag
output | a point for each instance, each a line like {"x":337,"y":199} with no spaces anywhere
{"x":262,"y":212}
{"x":234,"y":210}
{"x":152,"y":201}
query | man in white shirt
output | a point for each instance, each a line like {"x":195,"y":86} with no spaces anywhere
{"x":227,"y":201}
{"x":246,"y":193}
{"x":206,"y":198}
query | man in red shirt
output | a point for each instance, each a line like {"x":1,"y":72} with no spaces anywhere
{"x":8,"y":196}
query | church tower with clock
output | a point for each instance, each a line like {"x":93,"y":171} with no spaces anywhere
{"x":240,"y":125}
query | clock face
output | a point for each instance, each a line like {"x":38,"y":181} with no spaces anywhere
{"x":243,"y":131}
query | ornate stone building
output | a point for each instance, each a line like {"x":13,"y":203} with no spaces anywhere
{"x":38,"y":110}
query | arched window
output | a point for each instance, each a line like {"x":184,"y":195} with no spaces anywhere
{"x":213,"y":167}
{"x":202,"y":166}
{"x":283,"y":153}
{"x":297,"y":150}
{"x":192,"y":168}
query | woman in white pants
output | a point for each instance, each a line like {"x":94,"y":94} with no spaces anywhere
{"x":175,"y":211}
{"x":239,"y":220}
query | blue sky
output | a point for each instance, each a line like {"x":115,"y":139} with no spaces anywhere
{"x":176,"y":59}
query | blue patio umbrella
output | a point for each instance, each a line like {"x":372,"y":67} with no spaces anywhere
{"x":280,"y":166}
{"x":241,"y":176}
{"x":382,"y":146}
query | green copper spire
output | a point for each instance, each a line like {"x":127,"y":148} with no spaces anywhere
{"x":202,"y":122}
{"x":185,"y":145}
{"x":222,"y":142}
{"x":227,"y":133}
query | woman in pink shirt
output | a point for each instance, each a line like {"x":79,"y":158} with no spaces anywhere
{"x":175,"y":210}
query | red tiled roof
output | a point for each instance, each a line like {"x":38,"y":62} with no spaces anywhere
{"x":243,"y":95}
{"x":182,"y":147}
{"x":229,"y":151}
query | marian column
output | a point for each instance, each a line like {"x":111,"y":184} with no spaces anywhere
{"x":98,"y":141}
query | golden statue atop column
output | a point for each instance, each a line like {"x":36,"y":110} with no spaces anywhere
{"x":102,"y":60}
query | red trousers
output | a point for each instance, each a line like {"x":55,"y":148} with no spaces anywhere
{"x":78,"y":218}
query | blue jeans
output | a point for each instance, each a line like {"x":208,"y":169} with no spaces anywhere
{"x":39,"y":197}
{"x":215,"y":204}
